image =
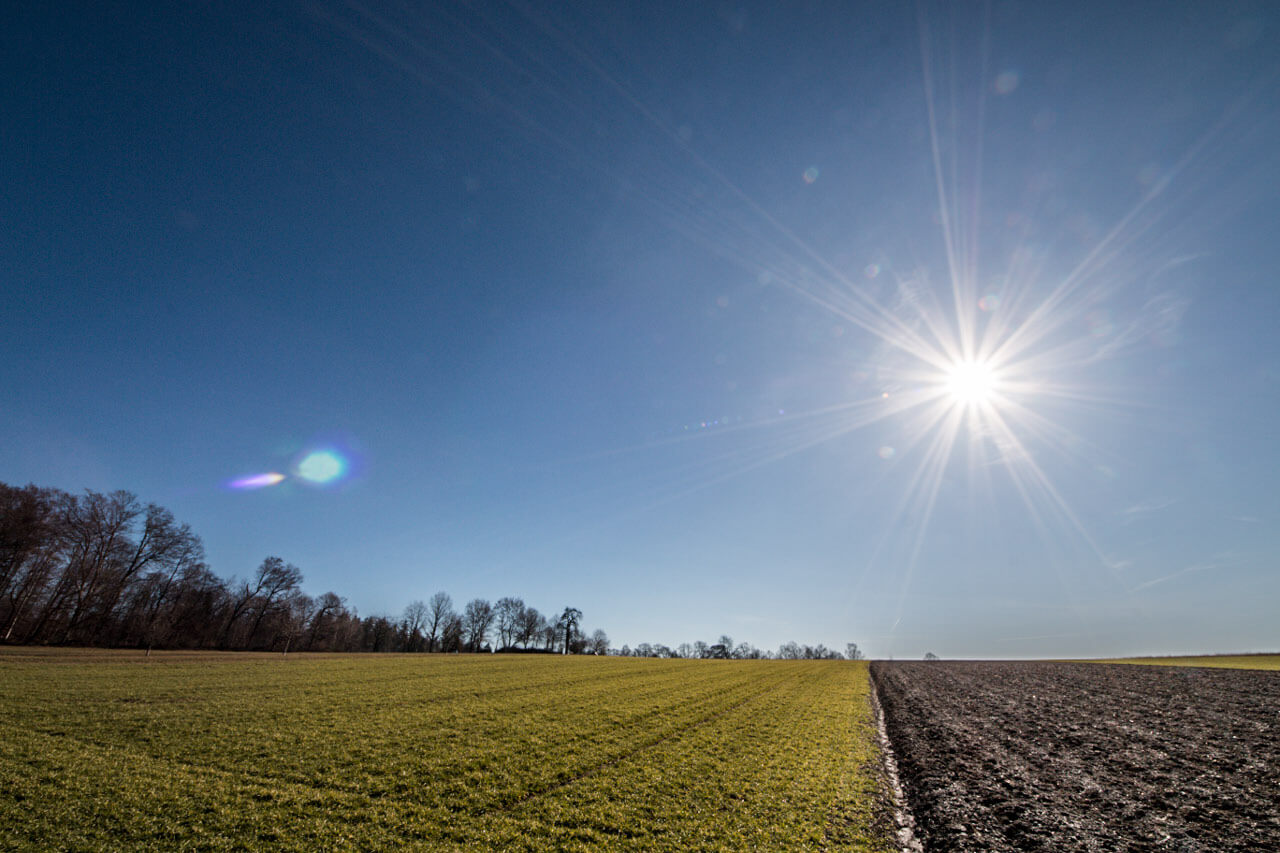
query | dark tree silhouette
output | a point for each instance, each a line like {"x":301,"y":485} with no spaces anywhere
{"x":529,"y":625}
{"x":439,"y":612}
{"x":569,"y":620}
{"x":451,"y":635}
{"x":415,"y":617}
{"x":271,"y":584}
{"x":476,"y":619}
{"x":507,"y":615}
{"x":328,"y":608}
{"x":103,"y":569}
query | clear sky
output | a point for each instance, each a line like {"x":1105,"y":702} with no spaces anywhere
{"x":950,"y":328}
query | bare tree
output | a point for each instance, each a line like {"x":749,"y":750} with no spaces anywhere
{"x":280,"y":581}
{"x":569,"y":620}
{"x":507,"y":614}
{"x":377,"y":634}
{"x":599,"y":642}
{"x":852,"y":652}
{"x":198,"y":604}
{"x":30,"y":551}
{"x":328,"y":606}
{"x":549,"y":632}
{"x":451,"y":634}
{"x":415,"y":616}
{"x":273,"y":581}
{"x":160,"y":543}
{"x":295,"y":614}
{"x":96,"y":529}
{"x":722,"y":648}
{"x":528,"y":626}
{"x":164,"y":586}
{"x":26,"y":531}
{"x":476,"y":619}
{"x":439,"y":611}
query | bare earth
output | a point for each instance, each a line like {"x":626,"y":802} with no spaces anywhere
{"x":1074,"y":756}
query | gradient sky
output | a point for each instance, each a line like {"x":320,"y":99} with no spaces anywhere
{"x":649,"y":309}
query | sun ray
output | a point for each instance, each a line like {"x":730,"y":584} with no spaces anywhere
{"x":996,"y":369}
{"x":1026,"y":460}
{"x":932,"y":466}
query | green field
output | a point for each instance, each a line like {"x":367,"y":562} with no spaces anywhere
{"x":108,"y":750}
{"x":1219,"y":661}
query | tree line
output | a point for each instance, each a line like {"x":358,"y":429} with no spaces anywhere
{"x":724,"y":649}
{"x":103,"y":569}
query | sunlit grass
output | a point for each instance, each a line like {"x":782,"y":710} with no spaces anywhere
{"x":110,"y":750}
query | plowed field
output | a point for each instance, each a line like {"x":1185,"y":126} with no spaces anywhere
{"x":1088,"y":757}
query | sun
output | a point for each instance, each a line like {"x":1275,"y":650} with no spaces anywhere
{"x":970,"y":383}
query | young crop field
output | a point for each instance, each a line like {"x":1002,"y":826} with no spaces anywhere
{"x":1035,"y":756}
{"x":108,"y":750}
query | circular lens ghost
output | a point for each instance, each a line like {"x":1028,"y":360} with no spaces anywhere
{"x":322,"y":466}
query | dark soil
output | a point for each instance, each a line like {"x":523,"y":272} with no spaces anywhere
{"x":1098,"y":757}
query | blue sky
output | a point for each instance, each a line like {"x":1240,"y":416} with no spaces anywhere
{"x":653,"y":310}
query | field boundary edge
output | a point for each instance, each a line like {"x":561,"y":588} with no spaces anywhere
{"x":908,"y":841}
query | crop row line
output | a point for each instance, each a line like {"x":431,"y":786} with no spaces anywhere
{"x":627,"y":755}
{"x":665,"y":699}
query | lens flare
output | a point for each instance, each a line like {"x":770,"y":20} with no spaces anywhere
{"x":322,"y":466}
{"x":257,"y":481}
{"x":1006,"y":81}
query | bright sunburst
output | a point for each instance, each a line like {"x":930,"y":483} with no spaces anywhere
{"x":971,"y":382}
{"x":969,"y":358}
